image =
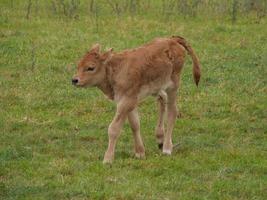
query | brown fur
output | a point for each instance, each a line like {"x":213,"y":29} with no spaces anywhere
{"x":129,"y":76}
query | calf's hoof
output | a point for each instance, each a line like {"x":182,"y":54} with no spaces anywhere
{"x":140,"y":155}
{"x":167,"y":148}
{"x":107,"y":161}
{"x":108,"y":158}
{"x":167,"y":151}
{"x":160,"y":145}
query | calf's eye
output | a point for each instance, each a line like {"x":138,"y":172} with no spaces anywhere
{"x":90,"y":69}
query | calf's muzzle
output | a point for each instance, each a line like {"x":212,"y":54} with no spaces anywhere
{"x":74,"y":81}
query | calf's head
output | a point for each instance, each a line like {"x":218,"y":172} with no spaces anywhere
{"x":91,"y":68}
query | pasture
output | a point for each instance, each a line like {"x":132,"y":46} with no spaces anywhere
{"x":53,"y":136}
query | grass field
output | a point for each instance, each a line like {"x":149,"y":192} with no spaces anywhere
{"x":53,"y":136}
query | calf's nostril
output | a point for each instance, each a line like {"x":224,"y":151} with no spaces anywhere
{"x":74,"y":81}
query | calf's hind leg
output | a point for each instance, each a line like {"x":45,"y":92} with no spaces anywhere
{"x":159,"y":132}
{"x":134,"y":122}
{"x":171,"y":117}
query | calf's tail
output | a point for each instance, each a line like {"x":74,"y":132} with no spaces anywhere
{"x":191,"y":52}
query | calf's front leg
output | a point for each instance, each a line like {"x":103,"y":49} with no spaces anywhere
{"x":123,"y":108}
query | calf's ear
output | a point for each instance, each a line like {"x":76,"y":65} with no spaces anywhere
{"x":95,"y":48}
{"x":105,"y":57}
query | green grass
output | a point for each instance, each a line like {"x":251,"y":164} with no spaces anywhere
{"x":53,"y":136}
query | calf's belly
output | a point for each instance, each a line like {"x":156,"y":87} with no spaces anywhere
{"x":154,"y":89}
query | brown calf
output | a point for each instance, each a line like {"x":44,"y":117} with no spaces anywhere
{"x":129,"y":76}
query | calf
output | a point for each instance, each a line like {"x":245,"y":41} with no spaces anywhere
{"x":131,"y":75}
